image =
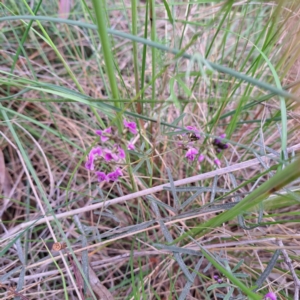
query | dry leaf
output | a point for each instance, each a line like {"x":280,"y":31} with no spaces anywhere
{"x":98,"y":288}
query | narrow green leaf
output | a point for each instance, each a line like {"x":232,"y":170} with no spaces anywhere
{"x":168,"y":11}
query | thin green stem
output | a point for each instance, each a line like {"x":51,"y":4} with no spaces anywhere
{"x":99,"y":8}
{"x":135,"y":52}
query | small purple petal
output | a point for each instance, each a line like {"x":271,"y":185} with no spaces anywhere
{"x":104,"y":134}
{"x":190,"y":127}
{"x":89,"y":165}
{"x":131,"y":126}
{"x":121,"y":153}
{"x":201,"y":158}
{"x":216,"y":277}
{"x":96,"y":151}
{"x":109,"y":155}
{"x":119,"y":172}
{"x":130,"y":146}
{"x":270,"y":296}
{"x":101,"y":176}
{"x":191,"y":154}
{"x":217,"y":162}
{"x":223,"y":135}
{"x":113,"y":176}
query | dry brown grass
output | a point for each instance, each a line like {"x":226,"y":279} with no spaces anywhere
{"x":115,"y":250}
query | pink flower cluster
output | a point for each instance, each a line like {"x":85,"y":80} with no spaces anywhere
{"x":218,"y":279}
{"x":113,"y":155}
{"x":192,"y":152}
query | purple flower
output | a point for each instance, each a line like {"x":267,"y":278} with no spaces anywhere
{"x":104,"y":134}
{"x":109,"y":155}
{"x":217,"y":162}
{"x":223,"y":136}
{"x":121,"y":152}
{"x":101,"y":176}
{"x":96,"y":151}
{"x":201,"y":158}
{"x":89,"y":165}
{"x":130,"y":146}
{"x":113,"y":176}
{"x":191,"y":154}
{"x":195,"y":131}
{"x":217,"y":278}
{"x":270,"y":296}
{"x":131,"y":126}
